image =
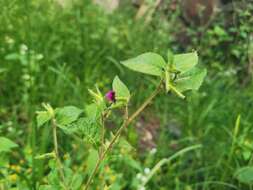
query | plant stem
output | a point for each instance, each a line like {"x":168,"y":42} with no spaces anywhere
{"x":168,"y":160}
{"x":103,"y":132}
{"x":57,"y":157}
{"x":120,"y":130}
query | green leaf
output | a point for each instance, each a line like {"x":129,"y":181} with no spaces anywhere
{"x":42,"y":118}
{"x":191,"y":80}
{"x":76,"y":182}
{"x":132,"y":163}
{"x":245,"y":175}
{"x":88,"y":127}
{"x":91,"y":161}
{"x":68,"y":175}
{"x":219,"y":31}
{"x":67,"y":115}
{"x":148,"y":63}
{"x":120,"y":89}
{"x":53,"y":178}
{"x":6,"y":144}
{"x":185,"y":62}
{"x":48,"y":187}
{"x":94,"y":111}
{"x":115,"y":186}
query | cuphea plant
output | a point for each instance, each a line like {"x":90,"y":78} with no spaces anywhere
{"x":177,"y":75}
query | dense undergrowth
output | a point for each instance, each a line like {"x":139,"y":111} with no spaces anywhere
{"x":53,"y":54}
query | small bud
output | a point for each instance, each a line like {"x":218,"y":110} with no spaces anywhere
{"x":97,"y":96}
{"x":110,"y":96}
{"x":49,"y":109}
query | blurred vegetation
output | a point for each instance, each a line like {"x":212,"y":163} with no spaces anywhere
{"x":53,"y":53}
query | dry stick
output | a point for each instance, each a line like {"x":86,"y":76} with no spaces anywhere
{"x":60,"y":166}
{"x":118,"y":133}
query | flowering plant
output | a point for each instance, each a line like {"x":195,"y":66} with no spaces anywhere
{"x":177,"y":75}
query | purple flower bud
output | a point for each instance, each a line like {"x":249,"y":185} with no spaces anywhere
{"x":110,"y":96}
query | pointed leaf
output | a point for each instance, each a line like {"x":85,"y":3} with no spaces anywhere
{"x":76,"y":182}
{"x":120,"y":88}
{"x":185,"y":62}
{"x":42,"y":118}
{"x":6,"y":144}
{"x":88,"y":127}
{"x":91,"y":161}
{"x":94,"y":111}
{"x":67,"y":115}
{"x":191,"y":80}
{"x":148,"y":63}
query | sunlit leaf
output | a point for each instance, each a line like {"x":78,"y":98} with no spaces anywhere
{"x":76,"y":181}
{"x":89,"y":128}
{"x":67,"y":115}
{"x":148,"y":63}
{"x":185,"y":62}
{"x":91,"y":161}
{"x":191,"y":80}
{"x":94,"y":111}
{"x":42,"y":118}
{"x":120,"y":88}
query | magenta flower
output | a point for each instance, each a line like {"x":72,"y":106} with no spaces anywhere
{"x":110,"y":96}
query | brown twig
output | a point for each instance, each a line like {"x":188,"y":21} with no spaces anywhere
{"x":118,"y":133}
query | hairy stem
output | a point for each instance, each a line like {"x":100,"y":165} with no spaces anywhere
{"x":118,"y":133}
{"x":57,"y":157}
{"x":102,"y":134}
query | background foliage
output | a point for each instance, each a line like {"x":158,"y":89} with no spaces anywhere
{"x":53,"y":53}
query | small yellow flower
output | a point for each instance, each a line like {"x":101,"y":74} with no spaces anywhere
{"x":13,"y":177}
{"x":122,"y":151}
{"x":29,"y":151}
{"x":22,"y":161}
{"x":17,"y":168}
{"x":74,"y":146}
{"x":112,"y":178}
{"x":100,"y":177}
{"x":66,"y":156}
{"x":188,"y":187}
{"x":29,"y":170}
{"x":75,"y":168}
{"x":11,"y":167}
{"x":247,"y":142}
{"x":107,"y":169}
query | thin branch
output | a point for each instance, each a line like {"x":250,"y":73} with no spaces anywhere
{"x":118,"y":133}
{"x":57,"y":157}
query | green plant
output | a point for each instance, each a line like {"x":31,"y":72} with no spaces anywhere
{"x":177,"y":75}
{"x":79,"y":44}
